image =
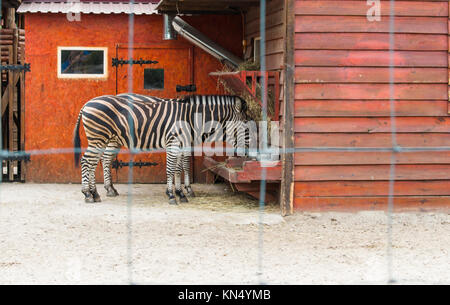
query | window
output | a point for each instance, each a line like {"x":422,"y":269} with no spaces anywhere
{"x":82,"y":62}
{"x":153,"y":79}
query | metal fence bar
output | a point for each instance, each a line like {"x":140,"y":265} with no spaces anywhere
{"x":4,"y":154}
{"x":130,"y":169}
{"x":393,"y":139}
{"x":262,"y":189}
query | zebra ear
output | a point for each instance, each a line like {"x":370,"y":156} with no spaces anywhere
{"x":239,"y":104}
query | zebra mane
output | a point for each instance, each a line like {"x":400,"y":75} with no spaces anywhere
{"x":210,"y":99}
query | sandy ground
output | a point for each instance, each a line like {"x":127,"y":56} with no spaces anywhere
{"x":49,"y":235}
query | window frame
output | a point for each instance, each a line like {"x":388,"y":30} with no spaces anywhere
{"x":82,"y":76}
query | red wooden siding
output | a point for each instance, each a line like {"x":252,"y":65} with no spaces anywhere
{"x":448,"y":49}
{"x":342,"y":97}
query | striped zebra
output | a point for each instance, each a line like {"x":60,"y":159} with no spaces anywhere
{"x":185,"y":164}
{"x":111,"y":122}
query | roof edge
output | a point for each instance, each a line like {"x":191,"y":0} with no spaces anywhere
{"x":74,"y":6}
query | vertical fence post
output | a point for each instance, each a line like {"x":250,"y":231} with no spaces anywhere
{"x":10,"y":89}
{"x":287,"y":156}
{"x":22,"y":112}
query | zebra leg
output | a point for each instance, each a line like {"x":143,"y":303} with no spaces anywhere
{"x":171,"y":165}
{"x":186,"y":159}
{"x":88,"y":165}
{"x":178,"y":189}
{"x":107,"y":158}
{"x":88,"y":198}
{"x":92,"y":186}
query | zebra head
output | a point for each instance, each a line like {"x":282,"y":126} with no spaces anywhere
{"x":240,"y":109}
{"x":213,"y":117}
{"x":239,"y":128}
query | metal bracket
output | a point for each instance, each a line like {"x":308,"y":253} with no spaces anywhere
{"x":119,"y":164}
{"x":24,"y":67}
{"x":187,"y":88}
{"x":116,"y":62}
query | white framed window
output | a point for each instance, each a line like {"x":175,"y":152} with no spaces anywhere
{"x":82,"y":62}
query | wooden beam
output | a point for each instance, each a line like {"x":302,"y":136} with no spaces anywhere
{"x":22,"y":117}
{"x":287,"y":156}
{"x":5,"y":97}
{"x":10,"y":116}
{"x":11,"y":18}
{"x":354,"y":204}
{"x":204,"y":6}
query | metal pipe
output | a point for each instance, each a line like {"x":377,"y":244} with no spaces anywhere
{"x":203,"y":42}
{"x":169,"y":32}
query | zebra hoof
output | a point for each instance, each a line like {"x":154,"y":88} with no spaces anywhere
{"x":182,"y":196}
{"x":172,"y":201}
{"x":96,"y":196}
{"x":89,"y":200}
{"x":88,"y":197}
{"x":190,"y":192}
{"x":111,"y":192}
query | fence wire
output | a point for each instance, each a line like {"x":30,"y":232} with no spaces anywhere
{"x":262,"y":194}
{"x":394,"y":149}
{"x":393,"y":139}
{"x":130,"y":172}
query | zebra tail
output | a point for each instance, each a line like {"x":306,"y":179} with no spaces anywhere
{"x":77,"y":140}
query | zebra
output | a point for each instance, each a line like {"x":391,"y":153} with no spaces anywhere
{"x":108,"y":122}
{"x":185,"y":164}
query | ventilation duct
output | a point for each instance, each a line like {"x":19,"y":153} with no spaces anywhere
{"x":203,"y":42}
{"x":169,"y":31}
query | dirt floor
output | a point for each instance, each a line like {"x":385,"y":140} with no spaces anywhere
{"x":49,"y":235}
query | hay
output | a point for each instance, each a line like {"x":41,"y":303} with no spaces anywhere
{"x":212,"y":168}
{"x":229,"y":200}
{"x":249,"y":65}
{"x":254,"y":110}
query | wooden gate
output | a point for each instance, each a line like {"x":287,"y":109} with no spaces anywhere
{"x":174,"y":67}
{"x":12,"y":46}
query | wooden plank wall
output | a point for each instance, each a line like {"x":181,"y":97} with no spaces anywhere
{"x":342,"y":100}
{"x":275,"y":32}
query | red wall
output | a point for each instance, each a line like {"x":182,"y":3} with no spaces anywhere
{"x":52,"y":104}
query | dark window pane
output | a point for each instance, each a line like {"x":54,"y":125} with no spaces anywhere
{"x":82,"y":62}
{"x":154,"y":79}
